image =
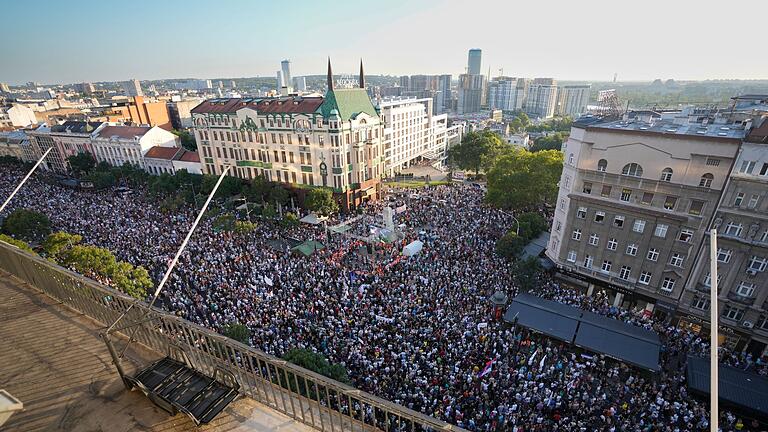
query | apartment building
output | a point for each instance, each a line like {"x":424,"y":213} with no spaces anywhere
{"x":634,"y":202}
{"x":541,"y":98}
{"x":470,"y":95}
{"x":572,"y":100}
{"x":741,"y":221}
{"x":411,"y":132}
{"x":67,"y":139}
{"x":119,"y":145}
{"x":12,"y":143}
{"x":332,"y":141}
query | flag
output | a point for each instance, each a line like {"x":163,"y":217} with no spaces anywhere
{"x":488,"y":368}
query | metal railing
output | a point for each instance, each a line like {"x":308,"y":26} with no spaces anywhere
{"x":303,"y":395}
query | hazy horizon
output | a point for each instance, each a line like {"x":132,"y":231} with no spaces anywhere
{"x":585,"y":41}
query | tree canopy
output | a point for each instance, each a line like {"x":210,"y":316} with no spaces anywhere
{"x":27,"y":225}
{"x":186,"y":138}
{"x":18,"y":243}
{"x":553,"y":141}
{"x":521,"y":179}
{"x":101,"y":264}
{"x":82,"y":163}
{"x":321,"y":201}
{"x":59,"y":242}
{"x":317,"y":363}
{"x":238,"y":332}
{"x":477,"y":150}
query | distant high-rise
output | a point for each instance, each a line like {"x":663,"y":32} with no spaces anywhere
{"x":405,"y":82}
{"x":285,"y":67}
{"x":542,"y":98}
{"x":132,"y":88}
{"x":470,"y":93}
{"x":280,"y":83}
{"x":502,"y":93}
{"x":444,"y":86}
{"x":300,"y":83}
{"x":572,"y":100}
{"x":474,"y":61}
{"x":4,"y":88}
{"x":233,"y":84}
{"x":85,"y":88}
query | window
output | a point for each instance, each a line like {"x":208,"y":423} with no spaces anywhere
{"x":739,"y":199}
{"x":666,"y":175}
{"x":676,"y":260}
{"x":757,"y":263}
{"x":572,"y":256}
{"x":612,"y":244}
{"x":745,"y":289}
{"x":606,"y":192}
{"x":626,"y":194}
{"x":764,"y":236}
{"x":708,"y":279}
{"x":733,"y":229}
{"x":587,"y":188}
{"x":647,"y":198}
{"x":764,"y":169}
{"x":668,"y":284}
{"x":558,"y":225}
{"x":685,"y":235}
{"x":576,"y":234}
{"x":747,"y":167}
{"x":570,"y":159}
{"x":581,"y":213}
{"x":753,"y":201}
{"x":588,"y":260}
{"x":632,"y":170}
{"x":701,"y":303}
{"x":594,"y":239}
{"x":733,"y":313}
{"x":632,"y":249}
{"x":606,"y":267}
{"x":696,"y":207}
{"x":653,"y":254}
{"x":625,"y":272}
{"x":762,"y":323}
{"x":602,"y":164}
{"x":645,"y":278}
{"x":724,"y":255}
{"x":638,"y":226}
{"x":713,"y":162}
{"x":599,"y":217}
{"x":567,"y":182}
{"x":618,"y":221}
{"x":562,"y":204}
{"x":661,"y":230}
{"x":706,"y":180}
{"x":670,"y":202}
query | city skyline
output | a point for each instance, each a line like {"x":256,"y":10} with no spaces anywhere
{"x":581,"y":42}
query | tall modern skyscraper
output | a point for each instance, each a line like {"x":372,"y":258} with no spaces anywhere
{"x":470,"y":93}
{"x":285,"y":68}
{"x":474,"y":61}
{"x":444,"y":86}
{"x":132,"y":88}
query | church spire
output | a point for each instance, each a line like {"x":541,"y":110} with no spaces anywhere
{"x":362,"y":76}
{"x":330,"y":75}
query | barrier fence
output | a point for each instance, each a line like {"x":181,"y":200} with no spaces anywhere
{"x":303,"y":395}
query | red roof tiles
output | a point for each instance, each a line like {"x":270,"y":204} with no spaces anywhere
{"x":167,"y":153}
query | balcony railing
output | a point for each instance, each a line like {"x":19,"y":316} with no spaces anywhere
{"x":308,"y":397}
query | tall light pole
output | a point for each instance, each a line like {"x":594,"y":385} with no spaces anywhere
{"x":25,"y":179}
{"x":713,"y":333}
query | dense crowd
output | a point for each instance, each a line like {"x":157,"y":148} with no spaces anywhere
{"x":417,"y":331}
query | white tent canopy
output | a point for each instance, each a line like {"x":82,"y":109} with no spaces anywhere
{"x":311,"y":219}
{"x":413,"y":248}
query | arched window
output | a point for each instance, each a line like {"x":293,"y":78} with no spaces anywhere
{"x":706,"y":180}
{"x":602,"y":164}
{"x":570,"y":159}
{"x":633,"y":170}
{"x":666,"y":175}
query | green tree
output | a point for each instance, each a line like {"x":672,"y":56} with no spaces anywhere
{"x":321,"y":201}
{"x":522,"y":179}
{"x":100,"y":263}
{"x":531,"y":225}
{"x":238,"y":332}
{"x":525,"y":273}
{"x":290,"y":220}
{"x":510,"y":245}
{"x":257,"y":189}
{"x":60,"y":242}
{"x":163,"y":184}
{"x":27,"y":225}
{"x":524,"y":119}
{"x":553,"y":141}
{"x":18,"y":243}
{"x":316,"y":362}
{"x":101,"y":179}
{"x":279,"y":195}
{"x":516,"y":125}
{"x":477,"y":150}
{"x":244,"y":227}
{"x":186,"y":138}
{"x":82,"y":163}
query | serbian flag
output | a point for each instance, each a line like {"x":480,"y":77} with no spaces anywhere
{"x":488,"y":368}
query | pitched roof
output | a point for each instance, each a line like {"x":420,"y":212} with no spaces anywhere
{"x":127,"y":132}
{"x":167,"y":153}
{"x":80,"y":127}
{"x":188,"y":156}
{"x":292,"y":104}
{"x":348,"y":102}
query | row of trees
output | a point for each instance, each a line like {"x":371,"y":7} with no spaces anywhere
{"x":517,"y":178}
{"x":528,"y":227}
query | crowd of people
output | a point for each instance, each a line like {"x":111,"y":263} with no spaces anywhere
{"x":417,"y":331}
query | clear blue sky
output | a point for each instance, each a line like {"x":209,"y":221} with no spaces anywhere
{"x":54,"y":41}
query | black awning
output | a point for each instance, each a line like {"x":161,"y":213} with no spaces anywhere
{"x":553,"y":319}
{"x":620,"y":346}
{"x":745,"y":391}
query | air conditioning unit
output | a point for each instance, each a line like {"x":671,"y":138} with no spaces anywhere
{"x":747,"y":324}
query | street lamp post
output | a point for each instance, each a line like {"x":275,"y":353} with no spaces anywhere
{"x":713,"y":334}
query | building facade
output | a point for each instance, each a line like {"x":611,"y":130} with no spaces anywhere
{"x":12,"y":143}
{"x":118,"y":145}
{"x":132,"y":88}
{"x":474,"y":61}
{"x":333,"y":141}
{"x":168,"y":160}
{"x":470,"y":93}
{"x":67,"y":139}
{"x":572,"y":100}
{"x":542,"y":98}
{"x":633,"y":205}
{"x":741,"y":222}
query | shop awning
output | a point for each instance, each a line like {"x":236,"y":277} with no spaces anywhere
{"x":308,"y":247}
{"x":745,"y":391}
{"x":553,"y":319}
{"x":626,"y":342}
